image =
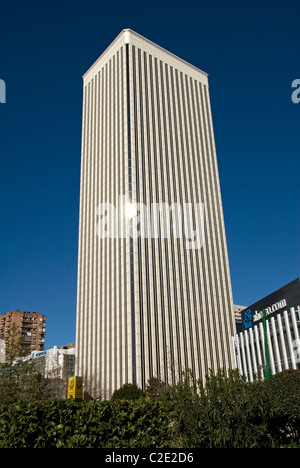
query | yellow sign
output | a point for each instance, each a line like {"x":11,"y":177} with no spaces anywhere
{"x":75,"y":388}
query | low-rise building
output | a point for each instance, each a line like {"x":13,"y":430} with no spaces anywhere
{"x":280,"y":336}
{"x":56,"y":365}
{"x":56,"y":362}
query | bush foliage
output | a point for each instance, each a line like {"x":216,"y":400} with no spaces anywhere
{"x":225,"y":413}
{"x":94,"y":424}
{"x":128,"y":392}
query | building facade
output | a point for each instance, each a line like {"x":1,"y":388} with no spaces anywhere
{"x":282,"y":333}
{"x":2,"y":351}
{"x":237,"y":309}
{"x":30,"y":326}
{"x":154,"y":293}
{"x":56,"y":363}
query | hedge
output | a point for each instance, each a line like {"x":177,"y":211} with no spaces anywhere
{"x":226,"y":413}
{"x":143,"y":423}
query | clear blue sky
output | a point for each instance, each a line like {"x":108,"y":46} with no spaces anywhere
{"x":250,"y":51}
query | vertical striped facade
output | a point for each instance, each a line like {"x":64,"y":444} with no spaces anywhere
{"x":149,"y":306}
{"x":283,"y":335}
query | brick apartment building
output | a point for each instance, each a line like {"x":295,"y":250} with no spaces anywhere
{"x":31,"y":326}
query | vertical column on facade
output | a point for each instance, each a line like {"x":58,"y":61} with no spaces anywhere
{"x":134,"y":152}
{"x":157,"y":242}
{"x":270,"y":347}
{"x":258,"y":346}
{"x":258,"y":350}
{"x":84,"y":194}
{"x":289,"y":339}
{"x":122,"y":191}
{"x":235,"y":351}
{"x":87,"y":243}
{"x":150,"y":167}
{"x":276,"y":347}
{"x":296,"y":335}
{"x":140,"y":156}
{"x":252,"y":348}
{"x":92,"y":236}
{"x":102,"y":242}
{"x":262,"y":341}
{"x":282,"y":342}
{"x":117,"y":191}
{"x":294,"y":323}
{"x":125,"y":276}
{"x":96,"y":286}
{"x":133,"y":315}
{"x":105,"y":249}
{"x":239,"y":356}
{"x":243,"y":360}
{"x":249,"y":366}
{"x":144,"y":149}
{"x":148,"y":182}
{"x":114,"y":243}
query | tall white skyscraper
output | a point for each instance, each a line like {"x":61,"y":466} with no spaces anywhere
{"x":154,"y":290}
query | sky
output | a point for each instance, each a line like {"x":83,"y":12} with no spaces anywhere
{"x":250,"y":51}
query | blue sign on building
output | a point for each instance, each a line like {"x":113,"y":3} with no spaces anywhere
{"x":248,"y":319}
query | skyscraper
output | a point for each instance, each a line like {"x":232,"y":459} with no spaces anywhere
{"x":154,"y":292}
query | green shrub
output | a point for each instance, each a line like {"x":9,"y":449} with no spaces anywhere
{"x":94,"y":424}
{"x":284,"y":391}
{"x":226,"y":413}
{"x":128,"y":392}
{"x":156,"y":388}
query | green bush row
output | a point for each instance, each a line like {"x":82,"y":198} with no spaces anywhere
{"x":225,"y":413}
{"x":141,"y":423}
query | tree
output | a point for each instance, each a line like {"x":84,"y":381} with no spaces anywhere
{"x":19,"y":379}
{"x":155,"y":387}
{"x":128,"y":392}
